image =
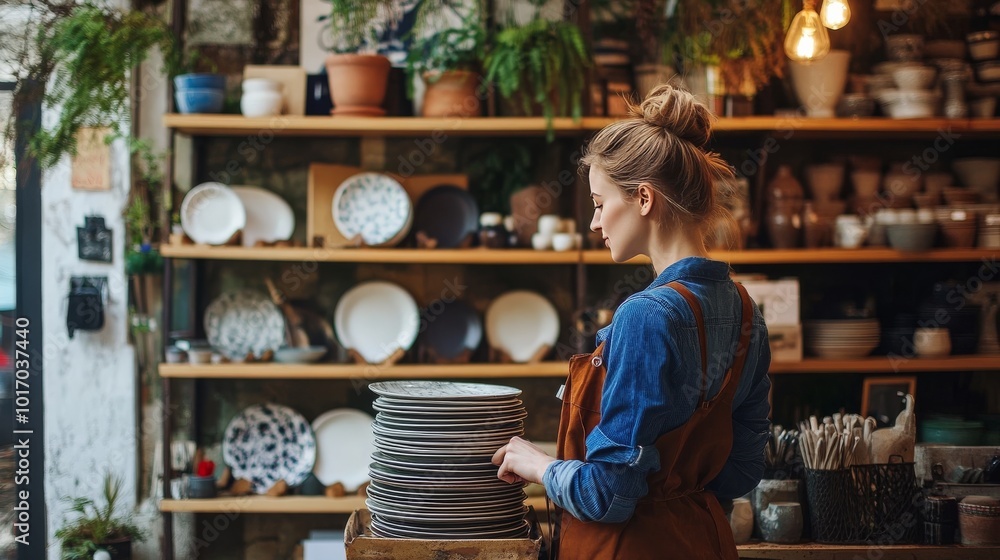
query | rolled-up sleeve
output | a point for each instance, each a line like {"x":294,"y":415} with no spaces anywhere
{"x":745,"y":466}
{"x":620,"y":451}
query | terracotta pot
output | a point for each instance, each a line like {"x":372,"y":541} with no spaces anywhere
{"x":357,"y":83}
{"x":451,"y":94}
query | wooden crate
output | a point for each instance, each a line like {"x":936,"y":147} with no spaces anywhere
{"x":361,"y":545}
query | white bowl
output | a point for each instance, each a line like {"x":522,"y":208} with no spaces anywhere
{"x":563,"y":241}
{"x":819,"y":85}
{"x":914,"y":78}
{"x":909,"y":104}
{"x":261,"y":104}
{"x":541,"y":241}
{"x":261,"y":84}
{"x":549,"y":224}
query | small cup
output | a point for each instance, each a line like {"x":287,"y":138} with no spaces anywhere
{"x":549,"y":224}
{"x":200,"y":487}
{"x":850,"y":236}
{"x":199,"y":356}
{"x":932,"y":342}
{"x":541,"y":241}
{"x":261,"y":84}
{"x":563,"y":241}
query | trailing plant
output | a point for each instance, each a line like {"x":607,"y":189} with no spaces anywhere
{"x":542,"y":63}
{"x":91,"y":52}
{"x":355,"y":23}
{"x":96,"y":524}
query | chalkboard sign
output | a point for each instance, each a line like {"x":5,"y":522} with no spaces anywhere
{"x":94,"y":240}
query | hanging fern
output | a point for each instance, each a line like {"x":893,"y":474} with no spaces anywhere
{"x":92,"y":51}
{"x":542,"y":63}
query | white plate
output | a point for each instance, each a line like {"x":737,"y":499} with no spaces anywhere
{"x":520,"y":323}
{"x":345,"y":442}
{"x":267,"y":443}
{"x":375,"y":319}
{"x":244,"y":322}
{"x":420,"y":390}
{"x":269,"y":217}
{"x":211,"y":213}
{"x":375,"y":206}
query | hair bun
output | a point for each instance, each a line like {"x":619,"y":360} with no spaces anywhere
{"x":678,"y":112}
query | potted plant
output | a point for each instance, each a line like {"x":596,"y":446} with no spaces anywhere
{"x":449,"y":63}
{"x":97,"y":527}
{"x":358,"y":77}
{"x":540,"y":66}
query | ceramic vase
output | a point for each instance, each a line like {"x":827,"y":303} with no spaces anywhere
{"x":741,"y":520}
{"x":781,"y":522}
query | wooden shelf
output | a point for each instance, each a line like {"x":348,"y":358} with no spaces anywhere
{"x":813,"y":551}
{"x":286,"y":125}
{"x":529,"y":256}
{"x":284,"y":504}
{"x":820,"y":256}
{"x":362,"y":372}
{"x":372,"y":255}
{"x":884,"y":364}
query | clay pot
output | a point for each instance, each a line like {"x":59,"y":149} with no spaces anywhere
{"x":741,"y":520}
{"x":784,"y":185}
{"x":451,"y":94}
{"x":784,"y":224}
{"x":979,"y":521}
{"x":357,"y":83}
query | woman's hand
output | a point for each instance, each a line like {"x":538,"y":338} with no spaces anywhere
{"x":521,"y":461}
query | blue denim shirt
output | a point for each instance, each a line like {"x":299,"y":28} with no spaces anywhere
{"x":652,"y":386}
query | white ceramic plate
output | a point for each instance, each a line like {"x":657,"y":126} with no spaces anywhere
{"x":344,"y":442}
{"x":375,"y":206}
{"x":244,"y":322}
{"x":212,"y":213}
{"x":269,"y":217}
{"x":375,"y":319}
{"x":438,"y":390}
{"x":520,"y":323}
{"x":267,"y":443}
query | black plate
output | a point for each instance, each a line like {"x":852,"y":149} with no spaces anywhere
{"x":452,"y":328}
{"x":448,"y":214}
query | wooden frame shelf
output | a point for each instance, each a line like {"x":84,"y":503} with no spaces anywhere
{"x":815,"y":551}
{"x":819,"y":256}
{"x":373,"y":255}
{"x":285,"y":504}
{"x":885,"y":364}
{"x":288,"y":125}
{"x":532,"y":257}
{"x":874,"y":364}
{"x":362,"y":372}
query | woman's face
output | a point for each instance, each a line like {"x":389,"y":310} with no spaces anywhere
{"x":618,"y":220}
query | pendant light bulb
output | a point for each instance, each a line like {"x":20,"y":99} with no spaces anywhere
{"x":835,"y":13}
{"x":807,"y":39}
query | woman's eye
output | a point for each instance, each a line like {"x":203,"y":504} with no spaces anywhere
{"x":598,"y":206}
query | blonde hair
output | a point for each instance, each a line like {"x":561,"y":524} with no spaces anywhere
{"x":663,"y":143}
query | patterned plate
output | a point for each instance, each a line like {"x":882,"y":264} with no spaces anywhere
{"x":238,"y":323}
{"x":375,"y":206}
{"x":267,"y":443}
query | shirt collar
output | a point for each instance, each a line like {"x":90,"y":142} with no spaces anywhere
{"x":688,"y":267}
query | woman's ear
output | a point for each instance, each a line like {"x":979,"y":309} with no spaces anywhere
{"x":645,"y":197}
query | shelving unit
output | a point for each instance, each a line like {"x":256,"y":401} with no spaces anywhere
{"x":304,"y":127}
{"x":854,"y":552}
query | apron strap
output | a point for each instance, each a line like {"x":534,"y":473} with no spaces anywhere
{"x":699,"y":318}
{"x":743,"y":347}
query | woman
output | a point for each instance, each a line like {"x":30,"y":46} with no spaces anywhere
{"x":670,"y":414}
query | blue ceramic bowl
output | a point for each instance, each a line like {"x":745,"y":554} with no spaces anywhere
{"x":200,"y":81}
{"x":200,"y":100}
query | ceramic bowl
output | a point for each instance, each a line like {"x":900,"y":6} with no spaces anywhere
{"x":200,"y":81}
{"x":932,"y":342}
{"x":306,"y":355}
{"x":879,"y":82}
{"x":908,"y":104}
{"x":563,"y":241}
{"x":199,"y":356}
{"x":983,"y":45}
{"x":988,"y":71}
{"x":825,"y":180}
{"x":541,"y":241}
{"x":261,"y":84}
{"x":549,"y":224}
{"x":261,"y":103}
{"x":914,"y":78}
{"x":199,"y":100}
{"x":911,"y":237}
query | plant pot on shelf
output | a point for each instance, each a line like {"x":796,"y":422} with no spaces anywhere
{"x":357,"y":83}
{"x":452,"y":93}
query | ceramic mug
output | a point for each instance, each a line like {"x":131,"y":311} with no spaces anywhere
{"x":850,"y":235}
{"x":781,"y":522}
{"x":549,"y":224}
{"x":541,"y":241}
{"x":563,"y":241}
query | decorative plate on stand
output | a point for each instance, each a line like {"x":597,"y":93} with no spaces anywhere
{"x":267,"y":443}
{"x":212,"y":213}
{"x":447,"y":214}
{"x":269,"y":217}
{"x":375,"y":319}
{"x":244,"y":322}
{"x":520,"y":323}
{"x":374,"y":206}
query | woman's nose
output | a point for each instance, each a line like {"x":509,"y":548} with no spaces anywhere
{"x":595,"y":223}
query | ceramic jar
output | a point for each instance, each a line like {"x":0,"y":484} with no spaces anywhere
{"x":741,"y":520}
{"x":784,"y":185}
{"x":781,"y":522}
{"x":979,"y":521}
{"x":784,"y":223}
{"x":773,"y":490}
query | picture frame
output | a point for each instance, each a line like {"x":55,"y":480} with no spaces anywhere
{"x":882,"y":397}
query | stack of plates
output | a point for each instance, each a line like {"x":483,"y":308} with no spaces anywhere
{"x":842,"y":339}
{"x":431,"y":472}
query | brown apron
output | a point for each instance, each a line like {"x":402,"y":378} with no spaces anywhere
{"x":678,"y":518}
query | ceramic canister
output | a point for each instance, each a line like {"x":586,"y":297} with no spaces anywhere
{"x":781,"y":522}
